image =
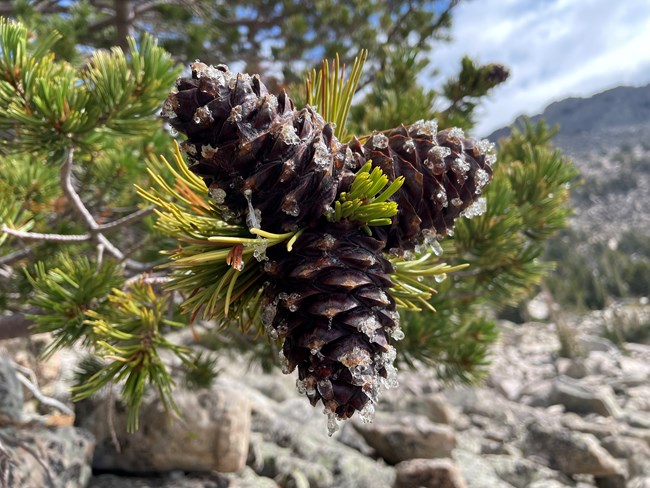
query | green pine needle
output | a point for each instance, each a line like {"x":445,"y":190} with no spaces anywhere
{"x":215,"y":265}
{"x":366,"y":202}
{"x":331,"y":93}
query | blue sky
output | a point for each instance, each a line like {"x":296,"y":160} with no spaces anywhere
{"x":553,"y":48}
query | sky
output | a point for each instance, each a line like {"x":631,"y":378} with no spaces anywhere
{"x":554,"y":49}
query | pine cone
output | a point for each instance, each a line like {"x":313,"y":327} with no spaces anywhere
{"x":261,"y":159}
{"x":444,"y":173}
{"x":328,"y":299}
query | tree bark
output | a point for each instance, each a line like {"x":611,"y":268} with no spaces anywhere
{"x":123,"y":21}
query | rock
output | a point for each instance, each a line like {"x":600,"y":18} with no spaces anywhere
{"x":642,"y":482}
{"x":308,"y":440}
{"x":284,"y":467}
{"x":244,"y":479}
{"x":39,"y":456}
{"x":568,"y":452}
{"x":477,"y":472}
{"x":408,"y":437}
{"x":11,"y":391}
{"x":212,"y":435}
{"x":433,"y":406}
{"x":601,"y":427}
{"x":521,"y":473}
{"x":634,"y":451}
{"x":613,"y":481}
{"x":428,"y":473}
{"x":582,"y":398}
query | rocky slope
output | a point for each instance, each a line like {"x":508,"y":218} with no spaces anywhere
{"x":608,"y":137}
{"x":540,"y":420}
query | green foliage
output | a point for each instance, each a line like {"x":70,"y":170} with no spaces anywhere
{"x":396,"y":96}
{"x":465,"y":91}
{"x":628,"y":323}
{"x":130,"y":336}
{"x":65,"y":293}
{"x":201,"y":372}
{"x":364,"y":203}
{"x":595,"y":271}
{"x":331,"y":94}
{"x":527,"y":202}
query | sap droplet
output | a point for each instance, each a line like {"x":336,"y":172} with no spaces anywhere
{"x":202,"y":115}
{"x":482,"y":179}
{"x":409,"y":145}
{"x":456,"y":202}
{"x":435,"y":247}
{"x":425,"y":127}
{"x":290,"y":207}
{"x":332,"y":426}
{"x":379,"y":141}
{"x":235,"y":114}
{"x":397,"y":334}
{"x":460,"y":166}
{"x":456,"y":133}
{"x":367,"y":413}
{"x":322,"y":157}
{"x":440,"y":277}
{"x":475,"y":209}
{"x":484,"y":146}
{"x":288,"y":135}
{"x":208,"y":152}
{"x":218,"y":195}
{"x":490,"y":159}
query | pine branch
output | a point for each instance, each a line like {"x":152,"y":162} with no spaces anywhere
{"x":128,"y":219}
{"x":37,"y":236}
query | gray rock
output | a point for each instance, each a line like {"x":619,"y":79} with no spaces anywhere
{"x":634,"y":451}
{"x":213,"y":433}
{"x":428,"y":473}
{"x":308,"y":440}
{"x":641,"y":482}
{"x":282,"y":465}
{"x":433,"y":406}
{"x":408,"y":437}
{"x":244,"y":479}
{"x":37,"y":457}
{"x":613,"y":481}
{"x":582,"y":398}
{"x":601,"y":427}
{"x":521,"y":473}
{"x":568,"y":452}
{"x":477,"y":472}
{"x":11,"y":391}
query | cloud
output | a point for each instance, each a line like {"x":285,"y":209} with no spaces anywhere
{"x":553,"y":48}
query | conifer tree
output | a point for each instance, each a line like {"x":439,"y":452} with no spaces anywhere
{"x":75,"y":139}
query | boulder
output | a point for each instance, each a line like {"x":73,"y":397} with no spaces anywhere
{"x":582,"y":398}
{"x":567,"y":451}
{"x":39,"y":456}
{"x":634,"y":451}
{"x":428,"y":473}
{"x":405,"y":437}
{"x":212,"y":434}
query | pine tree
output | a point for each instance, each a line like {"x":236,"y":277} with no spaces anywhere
{"x":283,"y":196}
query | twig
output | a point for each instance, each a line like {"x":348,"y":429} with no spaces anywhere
{"x":36,"y":236}
{"x":45,"y":400}
{"x":135,"y":216}
{"x":110,"y":406}
{"x":91,"y":223}
{"x":12,"y":257}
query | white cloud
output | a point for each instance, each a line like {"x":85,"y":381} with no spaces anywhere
{"x":553,"y":48}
